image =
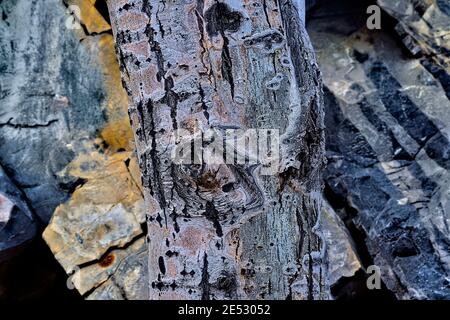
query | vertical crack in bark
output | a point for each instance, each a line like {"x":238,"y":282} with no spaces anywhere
{"x":200,"y":24}
{"x":171,"y":99}
{"x":221,"y":19}
{"x":266,"y":14}
{"x":204,"y":106}
{"x":157,"y":179}
{"x":162,"y":266}
{"x":227,"y":66}
{"x":204,"y":284}
{"x":212,"y":215}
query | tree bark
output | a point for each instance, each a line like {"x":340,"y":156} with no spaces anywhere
{"x":226,"y":230}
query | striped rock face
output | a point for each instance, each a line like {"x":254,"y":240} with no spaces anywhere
{"x":424,"y":28}
{"x":388,"y":150}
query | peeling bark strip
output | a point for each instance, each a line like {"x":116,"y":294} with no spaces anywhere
{"x":204,"y":64}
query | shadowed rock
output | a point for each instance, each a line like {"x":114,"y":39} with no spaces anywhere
{"x":17,"y":224}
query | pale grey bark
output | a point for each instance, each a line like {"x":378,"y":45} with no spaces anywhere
{"x":226,"y":231}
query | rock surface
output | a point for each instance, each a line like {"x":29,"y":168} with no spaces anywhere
{"x":104,"y":217}
{"x":388,"y":128}
{"x":17,"y":224}
{"x":343,"y":260}
{"x":424,"y":28}
{"x":51,"y":97}
{"x":65,"y":136}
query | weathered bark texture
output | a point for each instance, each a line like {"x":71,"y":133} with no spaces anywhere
{"x":226,"y":231}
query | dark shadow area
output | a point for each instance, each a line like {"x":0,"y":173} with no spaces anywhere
{"x":355,"y":289}
{"x":34,"y":274}
{"x":102,"y":8}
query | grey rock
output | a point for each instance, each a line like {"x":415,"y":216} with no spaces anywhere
{"x":62,"y":120}
{"x":424,"y":29}
{"x":17,"y":224}
{"x":125,"y":278}
{"x":388,"y":150}
{"x":343,"y":260}
{"x":50,"y":97}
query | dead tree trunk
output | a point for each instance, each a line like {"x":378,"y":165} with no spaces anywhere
{"x":232,"y":229}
